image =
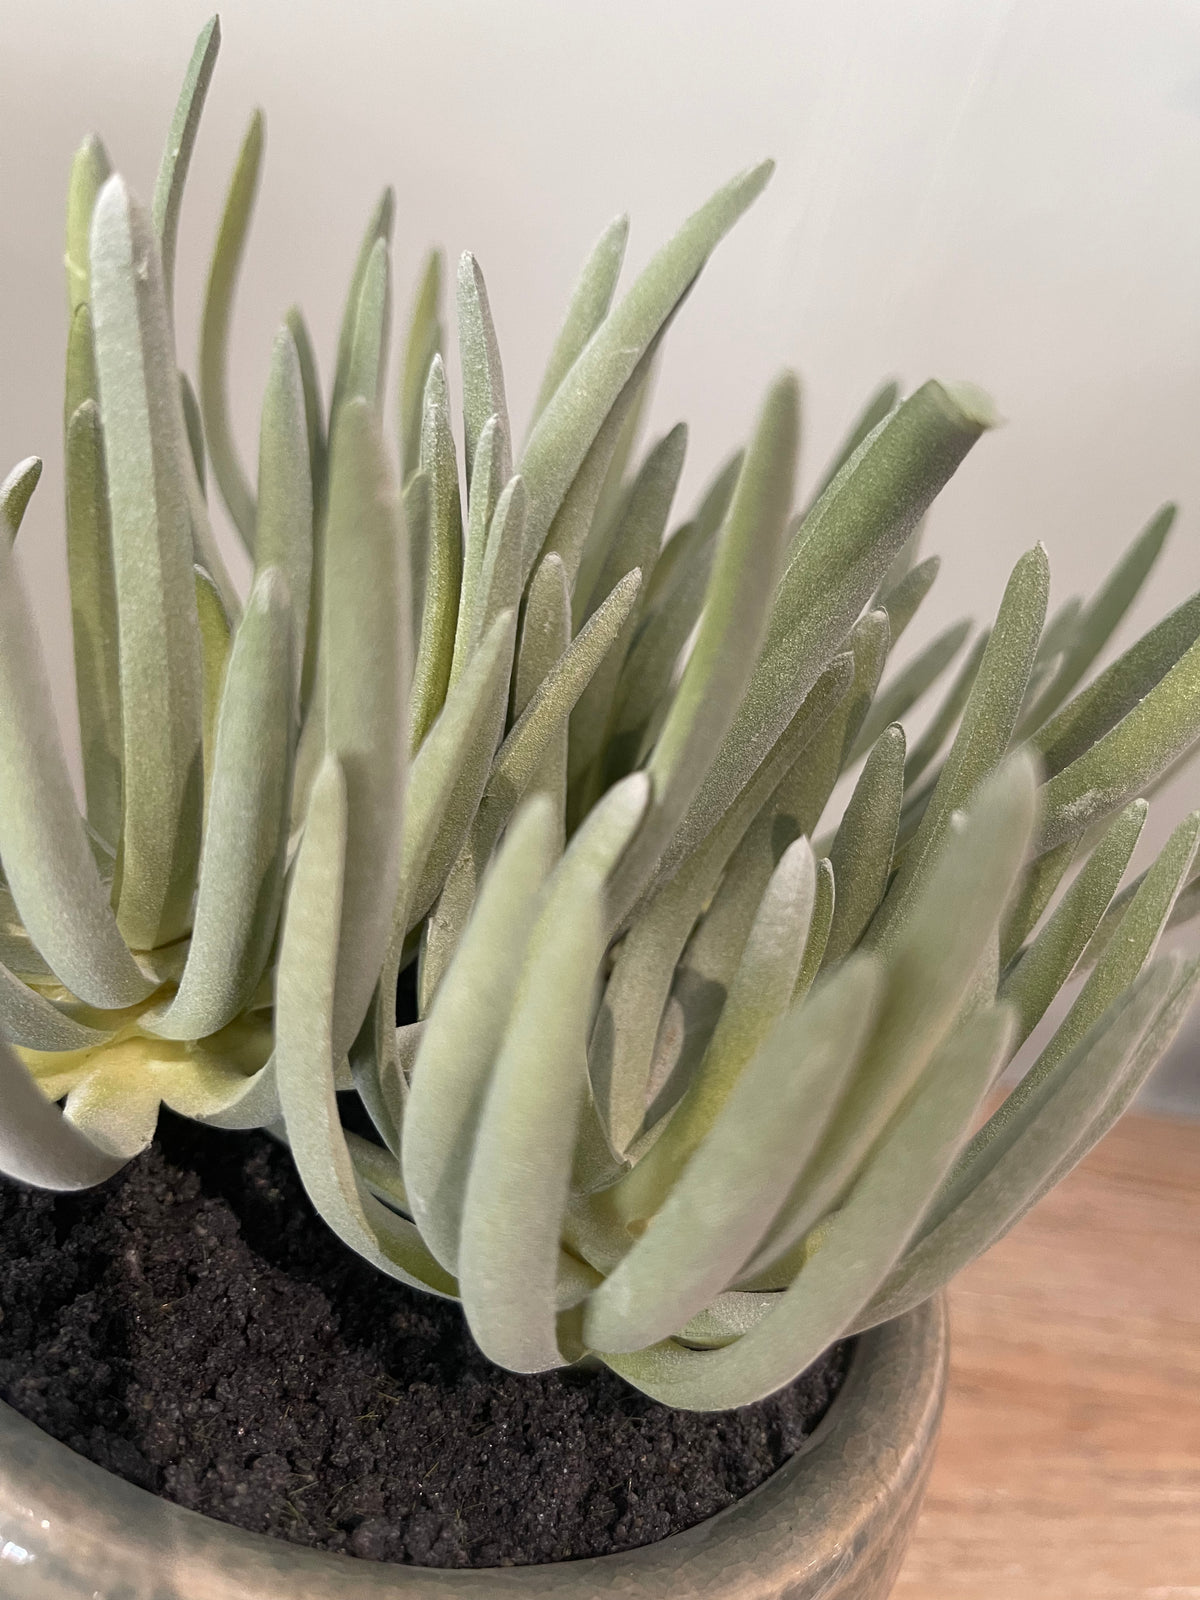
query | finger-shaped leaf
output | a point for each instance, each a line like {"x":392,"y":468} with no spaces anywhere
{"x":37,"y":1143}
{"x":479,"y":356}
{"x":423,"y":342}
{"x":586,"y":310}
{"x":443,"y":569}
{"x":1050,"y":960}
{"x":518,"y":1183}
{"x":500,"y":580}
{"x":80,"y":381}
{"x":545,"y":639}
{"x":843,"y":549}
{"x":1035,"y":892}
{"x":724,"y":1199}
{"x":366,"y":368}
{"x":285,"y":490}
{"x":691,"y":547}
{"x":488,"y":476}
{"x":28,"y":1019}
{"x":463,"y":1032}
{"x":215,"y":642}
{"x":861,"y":857}
{"x":214,"y":334}
{"x":856,"y":1252}
{"x":90,"y":171}
{"x":877,"y":410}
{"x":364,"y":608}
{"x":193,"y":424}
{"x":1119,"y":765}
{"x":907,"y":687}
{"x":352,"y":345}
{"x":314,"y":409}
{"x":944,"y":720}
{"x":245,"y":836}
{"x":563,"y":433}
{"x":159,"y":644}
{"x":305,"y":1050}
{"x":824,"y":905}
{"x":1098,"y":622}
{"x":181,"y":140}
{"x":94,"y":620}
{"x":1028,"y":1153}
{"x":635,"y":543}
{"x":732,"y":627}
{"x":16,"y":491}
{"x":902,"y":599}
{"x":983,"y":738}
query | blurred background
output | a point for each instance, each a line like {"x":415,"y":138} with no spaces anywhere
{"x":1000,"y":190}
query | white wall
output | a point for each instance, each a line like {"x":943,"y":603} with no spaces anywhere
{"x":1004,"y":190}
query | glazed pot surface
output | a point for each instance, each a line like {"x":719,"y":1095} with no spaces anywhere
{"x":832,"y":1524}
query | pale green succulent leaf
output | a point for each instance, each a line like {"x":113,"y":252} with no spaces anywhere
{"x":1034,"y":894}
{"x":90,"y":171}
{"x":443,"y":568}
{"x":285,"y":491}
{"x":944,"y":720}
{"x":349,"y":358}
{"x":181,"y":141}
{"x":80,"y":381}
{"x":314,"y":409}
{"x":588,"y":306}
{"x":423,"y":342}
{"x":902,"y":600}
{"x":16,"y":491}
{"x":691,"y":546}
{"x":824,"y":906}
{"x":228,"y":252}
{"x":861,"y":856}
{"x":216,"y":635}
{"x":479,"y":357}
{"x":28,"y":1019}
{"x":366,"y":369}
{"x":489,"y":473}
{"x":876,"y":411}
{"x":903,"y":691}
{"x":37,"y":1143}
{"x":193,"y":424}
{"x":500,"y":580}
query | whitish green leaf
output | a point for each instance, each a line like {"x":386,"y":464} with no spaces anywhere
{"x":945,"y":718}
{"x":245,"y":836}
{"x":586,"y":310}
{"x":824,"y":905}
{"x":443,"y":570}
{"x":159,"y":642}
{"x":16,"y":492}
{"x":517,"y":1188}
{"x":94,"y":620}
{"x":855,"y":1253}
{"x":723,"y":1200}
{"x":27,"y":1018}
{"x":193,"y":424}
{"x":907,"y":687}
{"x":353,"y":341}
{"x":366,"y":671}
{"x":500,"y":580}
{"x":48,"y":863}
{"x":479,"y":356}
{"x":366,"y":372}
{"x":37,"y":1144}
{"x":1035,"y":892}
{"x":90,"y":171}
{"x":181,"y":140}
{"x":545,"y":638}
{"x":861,"y":856}
{"x":305,"y":1048}
{"x":488,"y":476}
{"x":1118,"y":766}
{"x":285,"y":490}
{"x":983,"y":738}
{"x":903,"y":598}
{"x":424,"y":341}
{"x":215,"y":641}
{"x":876,"y":411}
{"x":464,"y":1029}
{"x":1102,"y":616}
{"x":732,"y":627}
{"x":1024,"y":1156}
{"x":842,"y":551}
{"x":214,"y":334}
{"x":1049,"y":961}
{"x":691,"y":546}
{"x":80,"y":380}
{"x":314,"y":409}
{"x":563,"y":433}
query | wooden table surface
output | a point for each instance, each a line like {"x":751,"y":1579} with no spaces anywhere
{"x":1069,"y":1463}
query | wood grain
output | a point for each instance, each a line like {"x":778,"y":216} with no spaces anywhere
{"x":1069,"y":1464}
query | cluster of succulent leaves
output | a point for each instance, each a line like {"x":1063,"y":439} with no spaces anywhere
{"x":696,"y":1077}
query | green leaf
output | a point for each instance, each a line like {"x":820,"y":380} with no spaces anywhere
{"x":732,"y":627}
{"x":193,"y":424}
{"x":843,"y":549}
{"x":586,"y":310}
{"x":861,"y":857}
{"x":367,"y":665}
{"x":907,"y":687}
{"x":181,"y":140}
{"x":563,"y":433}
{"x":306,"y":1051}
{"x":16,"y":492}
{"x":824,"y":904}
{"x":903,"y":599}
{"x":27,"y":1018}
{"x":1033,"y":1151}
{"x":945,"y":718}
{"x":1119,"y":765}
{"x":983,"y":738}
{"x":285,"y":490}
{"x":366,"y":369}
{"x":94,"y":621}
{"x":479,"y":356}
{"x":80,"y":381}
{"x":517,"y":1188}
{"x":245,"y":836}
{"x":37,"y":1143}
{"x":215,"y":641}
{"x":424,"y":341}
{"x":855,"y":1253}
{"x":443,"y":573}
{"x":48,"y":862}
{"x":159,"y":642}
{"x":876,"y":411}
{"x":90,"y":171}
{"x":488,"y":476}
{"x":725,"y":1197}
{"x":314,"y":410}
{"x":348,"y":373}
{"x":1034,"y":894}
{"x":1049,"y":961}
{"x":545,"y":639}
{"x":214,"y":334}
{"x":691,"y":546}
{"x":464,"y":1029}
{"x":500,"y":580}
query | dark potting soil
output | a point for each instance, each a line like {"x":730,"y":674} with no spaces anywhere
{"x":192,"y":1327}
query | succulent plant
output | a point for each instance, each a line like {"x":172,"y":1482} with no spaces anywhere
{"x":696,"y":1076}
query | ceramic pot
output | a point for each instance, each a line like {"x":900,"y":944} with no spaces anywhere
{"x":831,"y":1524}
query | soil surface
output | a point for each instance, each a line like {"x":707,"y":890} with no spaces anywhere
{"x":192,"y":1326}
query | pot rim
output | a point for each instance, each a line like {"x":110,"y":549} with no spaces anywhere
{"x":69,"y":1530}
